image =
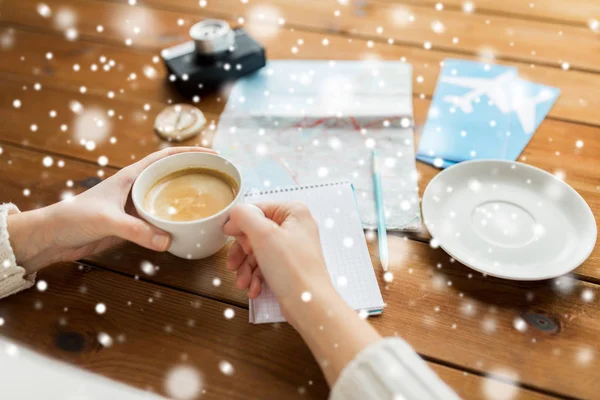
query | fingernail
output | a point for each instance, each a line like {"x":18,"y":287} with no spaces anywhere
{"x":160,"y":241}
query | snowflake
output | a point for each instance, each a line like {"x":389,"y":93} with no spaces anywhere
{"x":468,"y":7}
{"x":105,"y":339}
{"x":388,"y":277}
{"x":47,"y":161}
{"x":498,"y":389}
{"x":103,"y":161}
{"x":226,"y":368}
{"x":520,"y":324}
{"x":100,"y":308}
{"x":329,"y":222}
{"x":42,"y":285}
{"x":44,"y":10}
{"x":438,"y":27}
{"x":183,"y":382}
{"x":148,"y":268}
{"x":587,"y":295}
{"x":71,"y":34}
{"x":584,"y":355}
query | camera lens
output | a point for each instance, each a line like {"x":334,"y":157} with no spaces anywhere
{"x":212,"y":36}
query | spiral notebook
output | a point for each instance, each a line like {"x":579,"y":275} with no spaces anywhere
{"x":333,"y":205}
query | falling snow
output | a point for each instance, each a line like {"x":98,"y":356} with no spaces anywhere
{"x":306,"y":296}
{"x":41,"y":285}
{"x":226,"y":368}
{"x":44,"y":10}
{"x":587,"y":295}
{"x":468,"y":7}
{"x":388,"y":277}
{"x":148,"y":268}
{"x":501,"y":384}
{"x":183,"y":382}
{"x":100,"y":308}
{"x":105,"y":339}
{"x":520,"y":324}
{"x":47,"y":161}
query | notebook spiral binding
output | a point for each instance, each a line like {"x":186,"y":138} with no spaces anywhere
{"x":253,"y":192}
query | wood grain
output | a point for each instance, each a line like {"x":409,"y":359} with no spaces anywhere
{"x":573,"y":12}
{"x":135,"y":138}
{"x":450,"y":314}
{"x":155,"y":329}
{"x":474,"y":317}
{"x":528,"y":41}
{"x":576,"y":102}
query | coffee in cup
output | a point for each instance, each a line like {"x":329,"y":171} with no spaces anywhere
{"x":189,"y":195}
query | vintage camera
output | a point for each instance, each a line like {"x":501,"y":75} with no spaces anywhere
{"x":217,"y":54}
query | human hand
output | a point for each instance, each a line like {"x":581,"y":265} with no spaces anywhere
{"x":281,"y":248}
{"x":88,"y":223}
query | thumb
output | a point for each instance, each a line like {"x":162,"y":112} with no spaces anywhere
{"x":141,"y":233}
{"x":249,"y":220}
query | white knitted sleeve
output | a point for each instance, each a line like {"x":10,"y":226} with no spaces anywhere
{"x":13,"y":278}
{"x":390,"y":369}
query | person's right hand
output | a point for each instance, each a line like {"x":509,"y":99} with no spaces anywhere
{"x":281,"y":248}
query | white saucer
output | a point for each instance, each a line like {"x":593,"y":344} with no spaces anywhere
{"x":509,"y":219}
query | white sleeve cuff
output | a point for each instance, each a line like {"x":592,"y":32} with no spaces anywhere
{"x":390,"y":369}
{"x":13,"y":278}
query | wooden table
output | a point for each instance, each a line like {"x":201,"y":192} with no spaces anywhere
{"x":459,"y":321}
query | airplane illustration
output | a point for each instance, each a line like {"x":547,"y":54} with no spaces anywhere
{"x":506,"y":96}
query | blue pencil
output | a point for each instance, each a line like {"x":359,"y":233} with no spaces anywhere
{"x":381,"y":230}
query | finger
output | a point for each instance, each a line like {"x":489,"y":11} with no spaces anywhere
{"x":245,"y":243}
{"x":141,"y":233}
{"x":244,"y":275}
{"x":255,"y":285}
{"x":236,"y":256}
{"x":244,"y":220}
{"x":249,"y":216}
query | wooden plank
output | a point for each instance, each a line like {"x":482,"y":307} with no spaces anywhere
{"x":573,"y":12}
{"x":135,"y":139}
{"x":510,"y":39}
{"x":150,"y":338}
{"x":576,"y":102}
{"x":484,"y":338}
{"x":155,"y":329}
{"x":473,"y":387}
{"x":123,"y":130}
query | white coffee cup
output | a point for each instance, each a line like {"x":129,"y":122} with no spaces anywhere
{"x":189,"y":239}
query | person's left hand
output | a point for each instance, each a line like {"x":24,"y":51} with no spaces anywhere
{"x":88,"y":223}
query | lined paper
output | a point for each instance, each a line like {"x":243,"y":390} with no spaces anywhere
{"x":333,"y":206}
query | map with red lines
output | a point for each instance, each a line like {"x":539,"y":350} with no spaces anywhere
{"x":276,"y":148}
